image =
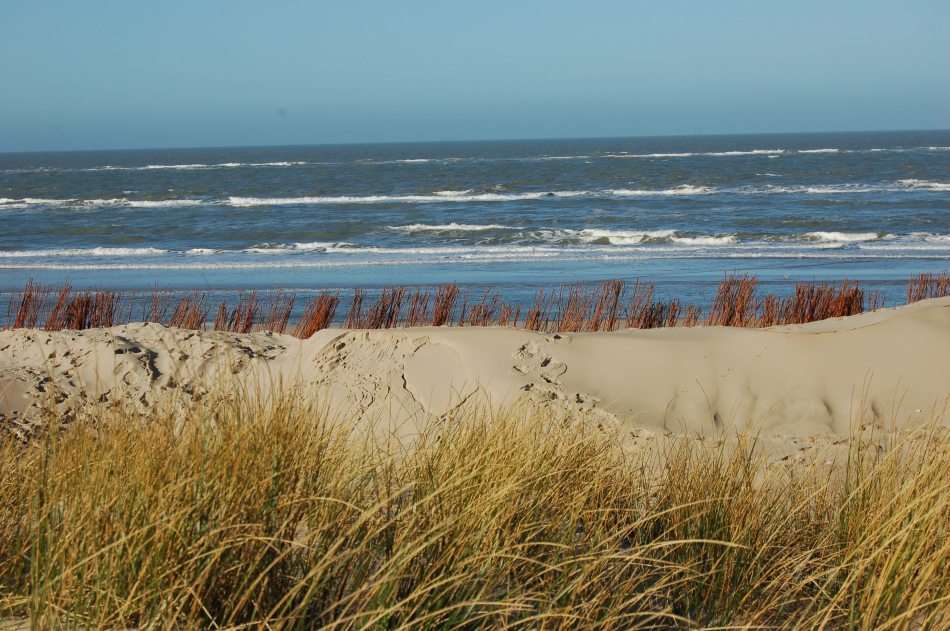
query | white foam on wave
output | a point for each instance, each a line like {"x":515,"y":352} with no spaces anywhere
{"x":383,"y":253}
{"x":603,"y":236}
{"x":82,"y":252}
{"x":925,"y":185}
{"x":371,"y":162}
{"x":161,"y":203}
{"x":842,"y":237}
{"x":467,"y":195}
{"x":705,"y":240}
{"x":818,"y":189}
{"x":690,"y":154}
{"x":751,"y":152}
{"x":931,"y":237}
{"x":685,"y":154}
{"x":9,"y":203}
{"x":682,"y":189}
{"x":410,"y":257}
{"x":451,"y":227}
{"x":829,"y":150}
{"x":441,"y":196}
{"x":134,"y":203}
{"x":193,"y":166}
{"x":615,"y":237}
{"x":98,"y":203}
{"x":312,"y":246}
{"x":450,"y":193}
{"x":552,"y":240}
{"x":153,"y":167}
{"x":836,"y":189}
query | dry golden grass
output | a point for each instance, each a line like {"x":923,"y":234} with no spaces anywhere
{"x":276,"y":516}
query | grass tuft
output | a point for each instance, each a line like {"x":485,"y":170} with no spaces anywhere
{"x":275,"y":516}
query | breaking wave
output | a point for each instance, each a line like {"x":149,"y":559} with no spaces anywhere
{"x":469,"y":195}
{"x":441,"y":196}
{"x":683,"y":189}
{"x":94,"y":252}
{"x":451,"y":227}
{"x":844,"y":237}
{"x":541,"y":242}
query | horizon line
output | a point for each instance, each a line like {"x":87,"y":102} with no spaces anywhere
{"x":477,"y":140}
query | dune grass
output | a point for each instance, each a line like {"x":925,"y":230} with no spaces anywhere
{"x":277,"y":515}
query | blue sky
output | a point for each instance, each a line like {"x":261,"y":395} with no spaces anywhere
{"x":127,"y":74}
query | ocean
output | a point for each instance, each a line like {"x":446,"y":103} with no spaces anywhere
{"x":680,"y":211}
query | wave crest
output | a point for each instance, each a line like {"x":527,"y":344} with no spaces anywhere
{"x":451,"y":227}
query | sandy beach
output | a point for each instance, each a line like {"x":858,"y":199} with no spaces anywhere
{"x":796,"y":387}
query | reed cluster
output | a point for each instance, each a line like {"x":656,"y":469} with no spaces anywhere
{"x":736,"y":303}
{"x":576,"y":307}
{"x":275,"y":516}
{"x":923,"y":286}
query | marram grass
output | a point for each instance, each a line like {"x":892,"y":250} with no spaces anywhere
{"x":275,"y":516}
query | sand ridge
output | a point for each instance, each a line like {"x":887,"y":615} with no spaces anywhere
{"x":796,"y":382}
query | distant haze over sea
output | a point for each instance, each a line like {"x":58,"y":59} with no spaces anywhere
{"x":682,"y":211}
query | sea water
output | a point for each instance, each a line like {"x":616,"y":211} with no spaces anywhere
{"x":680,"y":211}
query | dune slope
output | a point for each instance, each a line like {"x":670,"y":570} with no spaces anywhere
{"x":887,"y":367}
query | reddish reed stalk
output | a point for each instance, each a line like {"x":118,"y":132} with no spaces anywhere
{"x":508,"y":315}
{"x":482,"y":313}
{"x":640,"y":314}
{"x":156,"y":308}
{"x":606,"y":305}
{"x":278,"y":311}
{"x":354,"y":315}
{"x":464,"y":309}
{"x":875,"y":300}
{"x":692,"y":316}
{"x":577,"y":308}
{"x":572,"y":310}
{"x":191,"y":312}
{"x":537,"y":317}
{"x":444,"y":306}
{"x":221,"y":318}
{"x":26,"y":311}
{"x":653,"y":316}
{"x":318,"y":315}
{"x":245,"y":314}
{"x":57,"y":318}
{"x":734,"y":304}
{"x":811,"y":303}
{"x":672,"y":313}
{"x":418,"y":313}
{"x":384,"y":314}
{"x":88,"y":310}
{"x":925,"y":286}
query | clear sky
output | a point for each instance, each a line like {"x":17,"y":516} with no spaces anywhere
{"x":179,"y":73}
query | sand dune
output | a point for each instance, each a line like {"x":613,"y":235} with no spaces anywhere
{"x":791,"y":384}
